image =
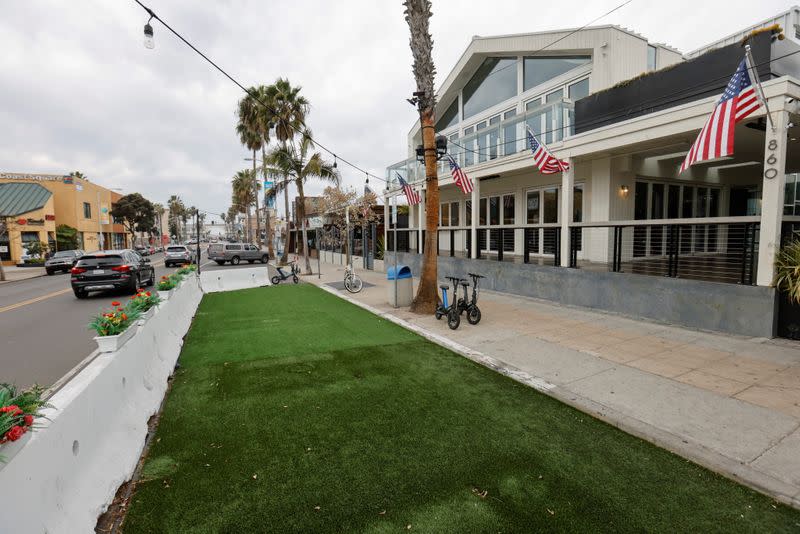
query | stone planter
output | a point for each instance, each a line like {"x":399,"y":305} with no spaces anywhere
{"x":165,"y":295}
{"x":147,"y":315}
{"x":113,"y":343}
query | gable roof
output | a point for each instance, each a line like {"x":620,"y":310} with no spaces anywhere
{"x":17,"y":198}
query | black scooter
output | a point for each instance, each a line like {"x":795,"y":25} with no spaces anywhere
{"x":471,"y":307}
{"x":450,"y":310}
{"x":281,"y":276}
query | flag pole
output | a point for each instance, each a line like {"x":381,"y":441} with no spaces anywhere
{"x":748,"y":57}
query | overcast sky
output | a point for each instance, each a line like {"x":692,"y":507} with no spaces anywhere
{"x":79,"y":91}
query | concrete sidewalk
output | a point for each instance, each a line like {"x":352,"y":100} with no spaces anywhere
{"x":14,"y":273}
{"x":729,"y":403}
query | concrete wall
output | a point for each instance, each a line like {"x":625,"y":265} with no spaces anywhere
{"x":63,"y":476}
{"x":735,"y":309}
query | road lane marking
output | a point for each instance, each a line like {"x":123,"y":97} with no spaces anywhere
{"x":33,"y":300}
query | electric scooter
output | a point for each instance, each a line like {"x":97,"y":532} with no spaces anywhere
{"x":281,"y":276}
{"x":471,"y":307}
{"x":451,"y":310}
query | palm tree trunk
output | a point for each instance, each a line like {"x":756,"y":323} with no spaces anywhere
{"x":301,"y":213}
{"x":267,"y":225}
{"x":255,"y":187}
{"x":427,"y":296}
{"x":285,"y":255}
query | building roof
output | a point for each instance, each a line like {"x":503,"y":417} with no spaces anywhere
{"x":18,"y":198}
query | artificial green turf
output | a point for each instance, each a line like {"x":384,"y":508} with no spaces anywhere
{"x":294,"y":411}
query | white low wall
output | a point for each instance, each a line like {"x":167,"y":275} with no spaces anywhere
{"x":232,"y":279}
{"x":61,"y":477}
{"x":336,"y":258}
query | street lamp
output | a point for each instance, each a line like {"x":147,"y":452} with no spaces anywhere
{"x":441,"y":149}
{"x":148,"y":33}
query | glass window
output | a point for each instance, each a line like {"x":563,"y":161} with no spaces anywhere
{"x":553,"y":127}
{"x":481,"y":142}
{"x":688,"y":202}
{"x":87,"y":210}
{"x":468,"y":212}
{"x":494,"y":136}
{"x":540,"y":69}
{"x":651,"y":57}
{"x":577,"y":203}
{"x":494,"y":211}
{"x":508,"y":209}
{"x":509,"y":134}
{"x":469,"y":155}
{"x":449,"y":117}
{"x":657,"y":202}
{"x":494,"y":82}
{"x":554,"y":96}
{"x":454,"y":214}
{"x":579,"y":90}
{"x":445,"y":216}
{"x":533,"y":207}
{"x":550,"y":205}
{"x":482,"y":213}
{"x":640,"y":201}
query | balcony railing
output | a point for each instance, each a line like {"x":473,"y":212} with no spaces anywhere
{"x":551,"y":123}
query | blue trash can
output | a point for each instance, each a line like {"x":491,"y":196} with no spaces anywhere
{"x":400,"y":290}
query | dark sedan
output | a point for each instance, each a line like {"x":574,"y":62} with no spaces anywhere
{"x":111,"y":269}
{"x":63,"y":260}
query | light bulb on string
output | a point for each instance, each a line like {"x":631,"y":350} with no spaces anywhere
{"x":149,"y":43}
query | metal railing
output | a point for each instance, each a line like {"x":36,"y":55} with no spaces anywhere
{"x":718,"y":249}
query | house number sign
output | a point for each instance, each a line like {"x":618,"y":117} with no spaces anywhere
{"x":771,"y":172}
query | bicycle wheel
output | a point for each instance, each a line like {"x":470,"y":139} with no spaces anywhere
{"x":295,"y":279}
{"x":453,"y":319}
{"x":355,"y":284}
{"x":474,"y":315}
{"x":276,"y":280}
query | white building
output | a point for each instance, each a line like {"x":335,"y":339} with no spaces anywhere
{"x":624,"y":112}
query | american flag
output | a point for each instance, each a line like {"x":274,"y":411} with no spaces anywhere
{"x":411,"y":195}
{"x":545,"y":161}
{"x":716,"y":138}
{"x":460,"y":178}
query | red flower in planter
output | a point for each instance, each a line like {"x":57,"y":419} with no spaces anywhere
{"x":13,"y":409}
{"x":15,"y":433}
{"x":28,"y":420}
{"x":115,"y":303}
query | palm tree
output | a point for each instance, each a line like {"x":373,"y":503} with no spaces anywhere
{"x":78,"y":174}
{"x":418,"y":15}
{"x":253,"y":129}
{"x":176,"y":213}
{"x":295,"y":163}
{"x":288,"y":115}
{"x":243,"y":195}
{"x":159,"y":210}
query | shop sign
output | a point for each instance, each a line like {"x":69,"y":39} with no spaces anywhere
{"x":36,"y":222}
{"x":33,"y":177}
{"x":22,"y":221}
{"x":50,"y":217}
{"x":3,"y":248}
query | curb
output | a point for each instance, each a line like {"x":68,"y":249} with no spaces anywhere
{"x":697,"y":453}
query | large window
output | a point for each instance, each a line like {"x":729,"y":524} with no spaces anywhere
{"x":540,"y":69}
{"x":449,"y":117}
{"x":87,"y":210}
{"x":579,"y":90}
{"x":494,"y":82}
{"x":651,"y":57}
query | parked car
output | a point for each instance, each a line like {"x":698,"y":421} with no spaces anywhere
{"x":150,"y":250}
{"x":235,"y":253}
{"x":141,"y":249}
{"x":111,"y":269}
{"x":63,"y":261}
{"x":178,"y":255}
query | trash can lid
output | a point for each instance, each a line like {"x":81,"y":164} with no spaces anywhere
{"x":403,"y":271}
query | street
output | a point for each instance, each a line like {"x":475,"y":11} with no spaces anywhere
{"x":43,"y":327}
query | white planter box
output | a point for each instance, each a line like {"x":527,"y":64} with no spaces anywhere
{"x":147,"y":315}
{"x":165,"y":295}
{"x":113,"y":343}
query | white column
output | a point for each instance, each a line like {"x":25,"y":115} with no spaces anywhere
{"x":421,"y":222}
{"x":476,"y":203}
{"x":774,"y":183}
{"x":567,"y":185}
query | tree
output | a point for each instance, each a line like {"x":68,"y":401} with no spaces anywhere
{"x":243,"y":195}
{"x":66,"y":237}
{"x":288,"y":115}
{"x":159,"y":223}
{"x":136,"y":213}
{"x":295,"y":163}
{"x":37,"y":249}
{"x":418,"y":14}
{"x":335,"y":205}
{"x":176,"y":209}
{"x":78,"y":174}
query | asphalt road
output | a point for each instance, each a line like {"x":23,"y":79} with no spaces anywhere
{"x":43,"y":327}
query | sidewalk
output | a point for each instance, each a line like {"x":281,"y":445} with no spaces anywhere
{"x":729,"y":403}
{"x":14,"y":273}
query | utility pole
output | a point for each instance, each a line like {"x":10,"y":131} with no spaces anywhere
{"x":197,"y":233}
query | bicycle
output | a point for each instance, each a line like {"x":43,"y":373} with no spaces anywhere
{"x":281,"y":276}
{"x":451,"y":310}
{"x":352,"y":282}
{"x":471,"y":306}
